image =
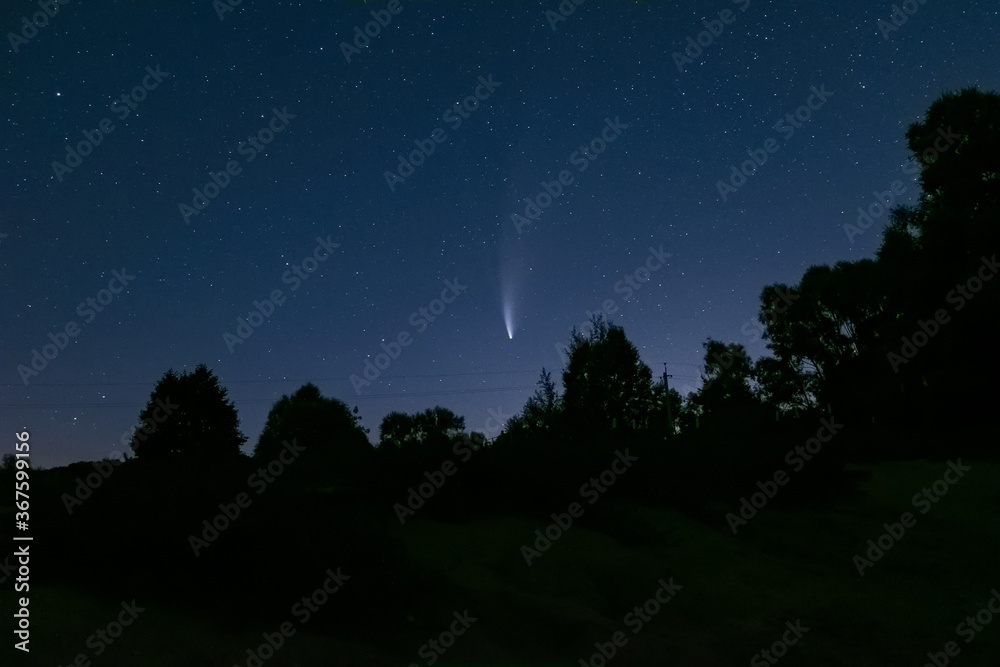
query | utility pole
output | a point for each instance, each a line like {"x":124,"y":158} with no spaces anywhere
{"x":666,"y":396}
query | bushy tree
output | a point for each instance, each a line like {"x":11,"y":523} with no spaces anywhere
{"x":957,"y":146}
{"x":188,"y":415}
{"x":822,"y":331}
{"x":838,"y":343}
{"x":606,"y":385}
{"x":325,"y":427}
{"x":427,"y":431}
{"x":727,"y":375}
{"x":782,"y":387}
{"x":397,"y":430}
{"x":727,"y":397}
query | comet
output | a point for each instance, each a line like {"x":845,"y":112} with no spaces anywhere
{"x":512,"y":278}
{"x":515,"y":259}
{"x":508,"y":313}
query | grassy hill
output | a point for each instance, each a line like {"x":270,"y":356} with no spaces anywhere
{"x":738,"y":591}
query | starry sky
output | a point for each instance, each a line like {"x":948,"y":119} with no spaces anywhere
{"x":320,"y":186}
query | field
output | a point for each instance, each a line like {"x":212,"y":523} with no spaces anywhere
{"x":734,"y":593}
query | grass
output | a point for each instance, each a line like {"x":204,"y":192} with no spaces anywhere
{"x":738,"y":591}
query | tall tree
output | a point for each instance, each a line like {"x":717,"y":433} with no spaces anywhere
{"x":957,"y":146}
{"x":782,"y":387}
{"x":606,"y":385}
{"x":834,"y":338}
{"x":727,"y":379}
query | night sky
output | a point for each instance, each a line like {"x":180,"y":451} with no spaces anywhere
{"x":267,"y":92}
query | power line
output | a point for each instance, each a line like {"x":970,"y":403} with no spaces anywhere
{"x":276,"y":381}
{"x":91,"y":406}
{"x":398,"y":394}
{"x":295,"y":380}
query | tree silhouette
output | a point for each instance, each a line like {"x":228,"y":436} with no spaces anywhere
{"x":429,"y":431}
{"x":325,"y":427}
{"x":727,"y":391}
{"x":188,"y":415}
{"x":542,"y":412}
{"x":359,"y":421}
{"x":606,"y":384}
{"x":781,"y":386}
{"x":397,"y":430}
{"x":958,"y":149}
{"x":832,"y":341}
